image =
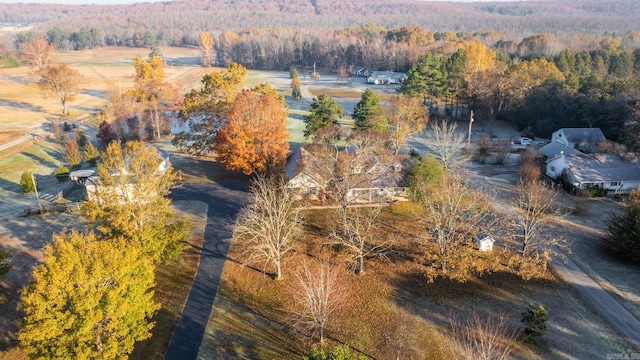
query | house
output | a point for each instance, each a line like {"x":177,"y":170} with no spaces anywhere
{"x":617,"y":173}
{"x":583,"y":139}
{"x":556,"y":148}
{"x":92,"y":183}
{"x":386,"y":77}
{"x":368,"y":176}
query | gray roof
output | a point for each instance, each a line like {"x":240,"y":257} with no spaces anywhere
{"x":554,"y":149}
{"x":604,"y":167}
{"x":583,"y":134}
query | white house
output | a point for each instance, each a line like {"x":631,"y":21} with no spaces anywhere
{"x":616,"y":173}
{"x":556,"y":148}
{"x":583,"y":139}
{"x":386,"y":77}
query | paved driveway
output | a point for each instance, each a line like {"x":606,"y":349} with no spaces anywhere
{"x":224,"y":201}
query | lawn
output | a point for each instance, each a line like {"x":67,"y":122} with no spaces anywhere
{"x":392,"y":307}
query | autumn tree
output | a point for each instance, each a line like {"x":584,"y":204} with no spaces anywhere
{"x":254,"y":135}
{"x":62,"y":81}
{"x":206,"y":49}
{"x":478,"y":338}
{"x":130,"y":201}
{"x":149,"y":78}
{"x":404,"y":116}
{"x":324,"y":111}
{"x":623,"y":229}
{"x":72,"y":155}
{"x":446,"y":144}
{"x":88,"y":299}
{"x":37,"y":52}
{"x":367,"y":112}
{"x":204,"y":109}
{"x":267,"y":228}
{"x":317,"y":292}
{"x":296,"y":87}
{"x":536,"y":206}
{"x":521,"y":78}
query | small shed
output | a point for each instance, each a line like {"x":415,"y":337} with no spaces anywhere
{"x":484,"y":242}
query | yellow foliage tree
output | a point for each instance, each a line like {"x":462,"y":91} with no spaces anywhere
{"x":149,"y":77}
{"x":206,"y":48}
{"x":527,"y":75}
{"x":89,"y":299}
{"x":62,"y":81}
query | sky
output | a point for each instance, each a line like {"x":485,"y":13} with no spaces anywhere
{"x":110,"y":2}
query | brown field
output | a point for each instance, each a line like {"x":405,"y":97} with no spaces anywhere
{"x":249,"y":318}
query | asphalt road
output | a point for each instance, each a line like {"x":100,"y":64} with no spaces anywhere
{"x":224,"y":201}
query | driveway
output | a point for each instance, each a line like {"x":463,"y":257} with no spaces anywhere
{"x":224,"y":202}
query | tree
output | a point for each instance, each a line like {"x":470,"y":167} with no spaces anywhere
{"x":535,"y":321}
{"x":106,"y":135}
{"x":204,"y":109}
{"x":426,"y":78}
{"x":360,"y":237}
{"x":296,"y":87}
{"x":62,"y":81}
{"x":27,"y":182}
{"x":317,"y":293}
{"x":80,"y":138}
{"x":293,"y":72}
{"x":149,"y":78}
{"x":447,"y":145}
{"x":339,"y":353}
{"x":367,"y":112}
{"x":623,"y":229}
{"x":267,"y":227}
{"x":88,"y":299}
{"x":37,"y":52}
{"x":206,"y":49}
{"x":130,"y":201}
{"x":454,"y":215}
{"x":403,"y":117}
{"x":478,"y":338}
{"x":535,"y":206}
{"x":423,"y":174}
{"x":72,"y":154}
{"x":324,"y":111}
{"x":91,"y":154}
{"x":254,"y":136}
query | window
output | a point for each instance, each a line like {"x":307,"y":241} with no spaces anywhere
{"x":553,"y":168}
{"x":615,"y":183}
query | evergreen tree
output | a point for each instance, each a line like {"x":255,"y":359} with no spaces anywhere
{"x":106,"y":134}
{"x":27,"y":183}
{"x":323,"y":112}
{"x":623,"y":229}
{"x":72,"y":154}
{"x":426,"y":78}
{"x":367,"y":111}
{"x":91,"y":154}
{"x":88,"y":299}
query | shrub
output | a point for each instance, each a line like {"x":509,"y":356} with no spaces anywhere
{"x":66,"y":127}
{"x":535,"y":322}
{"x":81,"y":138}
{"x":8,"y":61}
{"x":27,"y":182}
{"x":62,"y":173}
{"x":5,"y":263}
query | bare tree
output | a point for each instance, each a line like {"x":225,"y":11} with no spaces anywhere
{"x":478,"y":339}
{"x":317,"y":293}
{"x":267,"y":227}
{"x":360,"y":237}
{"x":37,"y":52}
{"x":455,"y":214}
{"x":535,"y":205}
{"x":447,"y":145}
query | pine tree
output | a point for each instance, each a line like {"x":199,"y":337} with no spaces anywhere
{"x":323,"y":112}
{"x":367,"y":111}
{"x":91,"y":154}
{"x":72,"y":154}
{"x":623,"y":228}
{"x":27,"y":183}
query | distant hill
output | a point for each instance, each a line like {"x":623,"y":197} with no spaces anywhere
{"x":520,"y":17}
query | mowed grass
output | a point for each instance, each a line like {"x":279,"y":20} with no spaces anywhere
{"x":392,"y":307}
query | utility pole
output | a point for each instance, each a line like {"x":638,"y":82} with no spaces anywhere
{"x":469,"y":138}
{"x":314,"y":69}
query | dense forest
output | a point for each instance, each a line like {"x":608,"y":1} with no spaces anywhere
{"x":553,"y":63}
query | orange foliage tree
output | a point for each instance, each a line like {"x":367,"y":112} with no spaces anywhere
{"x":254,"y":136}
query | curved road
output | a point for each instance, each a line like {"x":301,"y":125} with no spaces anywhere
{"x":224,"y":201}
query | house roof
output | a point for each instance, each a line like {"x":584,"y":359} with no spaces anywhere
{"x":556,"y":148}
{"x":604,"y":167}
{"x":583,"y":134}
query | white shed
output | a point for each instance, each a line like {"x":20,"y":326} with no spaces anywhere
{"x":484,"y":242}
